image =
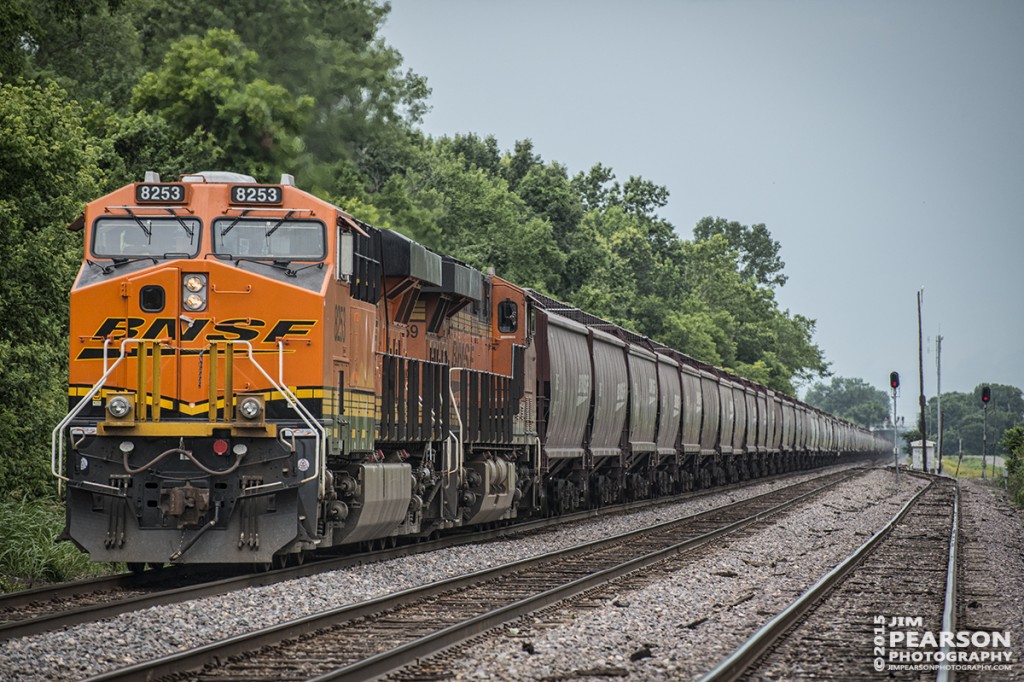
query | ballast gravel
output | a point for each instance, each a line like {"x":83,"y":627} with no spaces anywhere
{"x":89,"y":649}
{"x":991,"y":586}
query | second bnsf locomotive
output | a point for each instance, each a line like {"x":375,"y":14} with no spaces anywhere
{"x":255,"y":374}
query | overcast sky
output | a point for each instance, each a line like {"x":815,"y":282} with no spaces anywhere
{"x":881,"y":142}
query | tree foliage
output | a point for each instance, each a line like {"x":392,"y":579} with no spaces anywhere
{"x":851,"y":398}
{"x":48,"y":169}
{"x":758,"y":253}
{"x":1013,"y":441}
{"x":209,"y":87}
{"x":963,"y":419}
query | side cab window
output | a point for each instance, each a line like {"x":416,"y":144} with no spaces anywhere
{"x":508,"y":316}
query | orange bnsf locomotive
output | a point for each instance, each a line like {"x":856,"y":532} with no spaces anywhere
{"x":255,"y":375}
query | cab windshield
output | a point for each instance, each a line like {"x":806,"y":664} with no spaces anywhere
{"x":146,"y":236}
{"x":269,"y":238}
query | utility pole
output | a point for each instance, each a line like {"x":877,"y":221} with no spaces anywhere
{"x":920,"y":368}
{"x":938,"y":394}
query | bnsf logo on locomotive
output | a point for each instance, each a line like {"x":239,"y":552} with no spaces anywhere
{"x":240,"y":329}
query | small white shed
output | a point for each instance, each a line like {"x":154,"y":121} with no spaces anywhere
{"x":916,"y":461}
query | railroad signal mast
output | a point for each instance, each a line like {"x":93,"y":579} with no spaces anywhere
{"x":894,"y":384}
{"x":986,"y":396}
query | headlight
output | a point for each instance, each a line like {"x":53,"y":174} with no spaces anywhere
{"x":250,"y":408}
{"x":193,"y":291}
{"x":118,"y":406}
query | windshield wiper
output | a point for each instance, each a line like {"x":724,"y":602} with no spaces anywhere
{"x":188,"y":230}
{"x":149,"y":232}
{"x":118,"y":262}
{"x":277,"y":264}
{"x":281,"y":265}
{"x":234,"y":222}
{"x":296,"y":271}
{"x":278,"y":224}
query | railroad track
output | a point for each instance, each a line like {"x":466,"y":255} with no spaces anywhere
{"x":31,"y":612}
{"x":902,"y":580}
{"x":44,"y":609}
{"x":372,"y":638}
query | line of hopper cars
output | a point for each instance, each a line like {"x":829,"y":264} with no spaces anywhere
{"x":255,"y":375}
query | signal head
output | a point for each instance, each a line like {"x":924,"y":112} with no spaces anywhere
{"x":894,"y":379}
{"x":986,"y":394}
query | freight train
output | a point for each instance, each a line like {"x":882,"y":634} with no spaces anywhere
{"x":256,"y":375}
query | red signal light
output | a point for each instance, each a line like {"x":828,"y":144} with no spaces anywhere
{"x":894,"y":379}
{"x":986,"y":394}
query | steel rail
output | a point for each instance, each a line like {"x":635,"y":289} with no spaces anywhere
{"x":945,"y":673}
{"x":735,"y":665}
{"x":406,"y":653}
{"x":13,"y":600}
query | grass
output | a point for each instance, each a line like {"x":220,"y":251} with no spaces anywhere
{"x":970,"y":467}
{"x":28,"y":554}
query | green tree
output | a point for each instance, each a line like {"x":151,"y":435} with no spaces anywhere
{"x":465,"y":212}
{"x":210,"y":86}
{"x":92,"y":48}
{"x":48,"y":170}
{"x":1013,"y":441}
{"x":851,"y":398}
{"x":356,"y":128}
{"x":758,"y":252}
{"x":476,"y":152}
{"x":909,"y":437}
{"x":364,"y":104}
{"x":17,"y":24}
{"x":712,"y":291}
{"x":963,"y":419}
{"x":142,"y":141}
{"x":597,"y":187}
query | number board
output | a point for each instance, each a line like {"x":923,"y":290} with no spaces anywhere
{"x":256,"y":194}
{"x":159,"y":193}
